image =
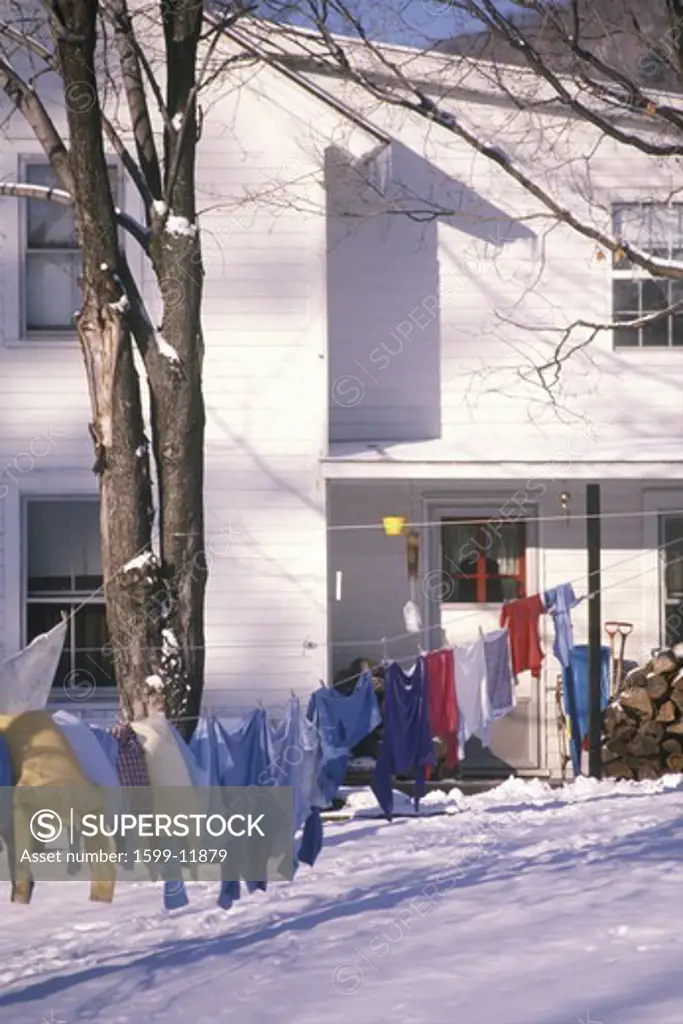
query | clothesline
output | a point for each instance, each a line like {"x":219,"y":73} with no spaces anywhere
{"x":386,"y":640}
{"x":463,"y":617}
{"x":436,"y":522}
{"x":500,"y":517}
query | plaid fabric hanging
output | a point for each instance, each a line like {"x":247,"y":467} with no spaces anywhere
{"x":131,"y":765}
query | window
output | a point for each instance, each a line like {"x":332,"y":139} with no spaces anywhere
{"x":53,"y":260}
{"x":484,"y":563}
{"x":63,"y":569}
{"x":658,"y":230}
{"x":672,"y":562}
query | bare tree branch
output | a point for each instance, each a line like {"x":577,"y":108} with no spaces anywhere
{"x":21,"y":190}
{"x":132,"y":61}
{"x":51,"y":62}
{"x":27,"y":102}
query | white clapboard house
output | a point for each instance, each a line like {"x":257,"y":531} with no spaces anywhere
{"x":377,"y":299}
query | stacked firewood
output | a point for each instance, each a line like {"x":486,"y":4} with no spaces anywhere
{"x":643,"y":723}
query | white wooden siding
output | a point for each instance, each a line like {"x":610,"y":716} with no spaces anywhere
{"x":264,"y":326}
{"x":498,"y":302}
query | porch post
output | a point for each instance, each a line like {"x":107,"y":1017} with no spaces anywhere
{"x":594,"y":629}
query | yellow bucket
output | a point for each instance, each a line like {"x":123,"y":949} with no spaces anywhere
{"x":393,"y":525}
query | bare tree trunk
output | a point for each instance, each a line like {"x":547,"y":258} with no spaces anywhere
{"x":176,"y":385}
{"x":122,"y":459}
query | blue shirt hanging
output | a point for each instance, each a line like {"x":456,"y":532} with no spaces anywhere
{"x":210,"y":749}
{"x":341,"y":721}
{"x":241,"y":756}
{"x":559,"y":602}
{"x":407,"y":742}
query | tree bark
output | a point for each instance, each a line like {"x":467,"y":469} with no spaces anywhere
{"x":176,"y":386}
{"x":122,"y":460}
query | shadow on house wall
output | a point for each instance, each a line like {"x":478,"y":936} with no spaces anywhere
{"x":384,"y":288}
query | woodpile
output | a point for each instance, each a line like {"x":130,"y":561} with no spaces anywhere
{"x":643,"y":723}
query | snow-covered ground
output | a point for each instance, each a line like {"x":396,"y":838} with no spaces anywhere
{"x":520,"y":906}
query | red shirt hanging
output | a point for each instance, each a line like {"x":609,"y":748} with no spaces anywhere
{"x":521,"y":617}
{"x":443,"y":708}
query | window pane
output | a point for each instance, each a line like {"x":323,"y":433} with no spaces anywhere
{"x":655,"y":295}
{"x":502,"y":543}
{"x":677,"y":329}
{"x":673,"y":624}
{"x":656,"y":334}
{"x":52,"y":290}
{"x":459,"y":556}
{"x":631,"y":221}
{"x":459,"y":545}
{"x":499,"y":590}
{"x":91,"y":656}
{"x":625,"y":337}
{"x":63,"y":542}
{"x":661,"y":230}
{"x":84,"y":666}
{"x":673,"y":556}
{"x":625,"y":298}
{"x":493,"y":548}
{"x":652,"y":227}
{"x":50,"y":225}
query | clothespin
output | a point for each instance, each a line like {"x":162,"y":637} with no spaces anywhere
{"x":385,"y":650}
{"x":293,"y":694}
{"x":259,"y":704}
{"x":481,"y":632}
{"x":444,"y":638}
{"x":322,"y":683}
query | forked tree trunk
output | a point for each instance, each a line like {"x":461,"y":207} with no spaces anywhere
{"x":122,"y":459}
{"x":155,"y":610}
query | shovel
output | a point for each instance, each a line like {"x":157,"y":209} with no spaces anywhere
{"x":614,"y":630}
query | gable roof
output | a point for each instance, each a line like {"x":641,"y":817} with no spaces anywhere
{"x":632,"y":36}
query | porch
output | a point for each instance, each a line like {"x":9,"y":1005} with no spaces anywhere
{"x":482,"y":542}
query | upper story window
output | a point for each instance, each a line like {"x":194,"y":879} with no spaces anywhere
{"x":52,"y":279}
{"x":53,"y":261}
{"x":656,"y":228}
{"x":483,"y":563}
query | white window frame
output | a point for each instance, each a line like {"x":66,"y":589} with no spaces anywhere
{"x":668,"y":606}
{"x":67,"y":334}
{"x":13,"y":216}
{"x":637,"y":275}
{"x":488,"y":505}
{"x":658,"y":504}
{"x":70,"y":485}
{"x":67,"y":597}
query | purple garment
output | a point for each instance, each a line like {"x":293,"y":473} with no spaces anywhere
{"x":407,"y":741}
{"x":499,"y":683}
